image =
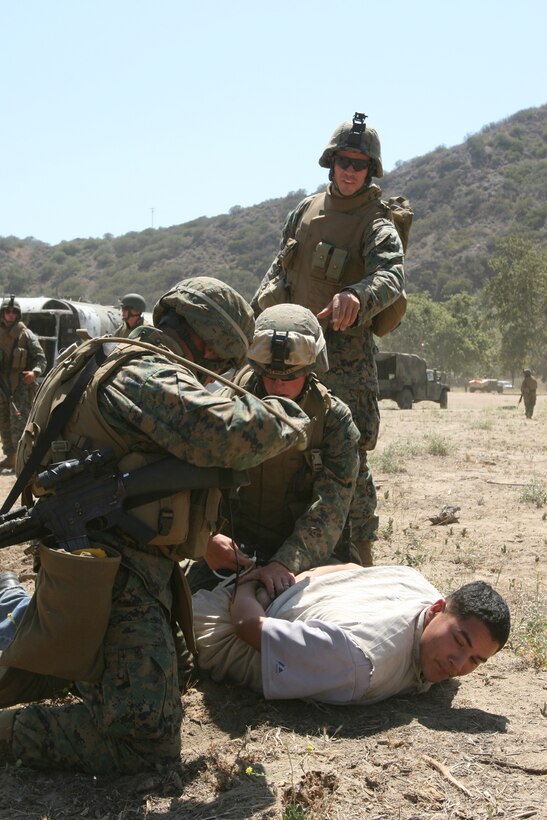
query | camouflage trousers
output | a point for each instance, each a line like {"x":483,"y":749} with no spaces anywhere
{"x":352,"y":377}
{"x":529,"y":404}
{"x":12,"y":424}
{"x":128,"y":722}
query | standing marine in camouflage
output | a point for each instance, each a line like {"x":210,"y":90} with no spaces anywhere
{"x":132,"y":307}
{"x":528,"y":391}
{"x":292,"y":515}
{"x":143,"y":405}
{"x":341,"y":257}
{"x":22,"y":360}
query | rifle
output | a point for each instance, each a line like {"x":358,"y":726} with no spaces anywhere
{"x":7,"y":393}
{"x":519,"y":401}
{"x":90,"y":494}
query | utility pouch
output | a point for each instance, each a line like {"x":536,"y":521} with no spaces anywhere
{"x":19,"y":359}
{"x":321,"y":255}
{"x":336,"y":264}
{"x":63,"y":629}
{"x":390,"y":317}
{"x":167,"y":516}
{"x":330,"y":260}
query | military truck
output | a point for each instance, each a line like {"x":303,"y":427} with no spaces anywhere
{"x":406,"y":379}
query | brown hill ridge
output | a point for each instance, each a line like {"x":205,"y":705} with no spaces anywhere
{"x":464,"y":199}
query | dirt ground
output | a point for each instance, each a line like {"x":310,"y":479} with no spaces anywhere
{"x":471,"y":750}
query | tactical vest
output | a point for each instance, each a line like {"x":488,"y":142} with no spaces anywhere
{"x":123,"y":330}
{"x":183,"y":521}
{"x":13,"y":352}
{"x":330,"y":234}
{"x":281,"y":488}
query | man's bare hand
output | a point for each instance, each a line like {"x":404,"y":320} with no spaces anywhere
{"x":275,"y":577}
{"x":220,"y":554}
{"x":342,"y":310}
{"x":29,"y":376}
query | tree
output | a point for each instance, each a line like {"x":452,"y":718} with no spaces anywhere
{"x":517,"y":294}
{"x":449,"y":335}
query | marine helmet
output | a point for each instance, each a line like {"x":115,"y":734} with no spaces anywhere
{"x":288,"y":342}
{"x":215,"y":312}
{"x":10,"y":301}
{"x":355,"y":135}
{"x":133,"y":300}
{"x":527,"y":371}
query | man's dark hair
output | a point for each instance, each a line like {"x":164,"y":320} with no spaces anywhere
{"x":480,"y":600}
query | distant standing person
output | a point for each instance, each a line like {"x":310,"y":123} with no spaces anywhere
{"x":132,"y":307}
{"x":22,"y":360}
{"x":528,"y":391}
{"x":342,"y":258}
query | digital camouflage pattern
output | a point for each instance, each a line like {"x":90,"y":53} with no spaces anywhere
{"x":21,"y":395}
{"x":131,"y":719}
{"x":352,"y":371}
{"x":215,"y":311}
{"x":133,"y":713}
{"x":291,"y":512}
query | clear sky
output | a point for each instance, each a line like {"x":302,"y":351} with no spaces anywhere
{"x":121,"y":115}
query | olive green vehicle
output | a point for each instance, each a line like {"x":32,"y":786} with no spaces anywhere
{"x":406,"y":379}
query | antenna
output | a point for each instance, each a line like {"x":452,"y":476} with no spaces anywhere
{"x":152,"y":216}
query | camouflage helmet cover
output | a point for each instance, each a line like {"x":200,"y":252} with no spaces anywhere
{"x":216,"y":312}
{"x":288,"y":341}
{"x":347,"y":138}
{"x":10,"y":301}
{"x":527,"y":371}
{"x":133,"y":300}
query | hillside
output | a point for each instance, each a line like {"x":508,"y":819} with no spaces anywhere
{"x":464,"y":199}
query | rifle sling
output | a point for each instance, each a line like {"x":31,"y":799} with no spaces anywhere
{"x":57,"y":420}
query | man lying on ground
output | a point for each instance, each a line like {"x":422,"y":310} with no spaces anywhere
{"x":348,"y":634}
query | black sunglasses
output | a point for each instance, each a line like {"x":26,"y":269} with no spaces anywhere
{"x":356,"y":164}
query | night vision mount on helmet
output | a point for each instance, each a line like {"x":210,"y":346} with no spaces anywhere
{"x":355,"y":135}
{"x":288,"y":342}
{"x":11,"y":302}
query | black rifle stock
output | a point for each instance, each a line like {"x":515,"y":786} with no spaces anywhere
{"x":91,"y":494}
{"x":7,"y":393}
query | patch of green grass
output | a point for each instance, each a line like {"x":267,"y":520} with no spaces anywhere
{"x":529,"y":635}
{"x":437,"y":446}
{"x":413,"y":553}
{"x":534,"y":493}
{"x":392,"y":458}
{"x":293,"y":811}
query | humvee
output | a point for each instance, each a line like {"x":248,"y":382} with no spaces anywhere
{"x":405,"y":378}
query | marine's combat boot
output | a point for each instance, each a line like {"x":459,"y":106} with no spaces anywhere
{"x":8,"y":463}
{"x":362,"y":553}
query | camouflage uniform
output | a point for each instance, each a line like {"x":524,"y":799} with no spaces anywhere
{"x":352,"y":375}
{"x":528,"y":390}
{"x":291,"y":512}
{"x":15,"y":340}
{"x":124,"y":329}
{"x":131,"y":719}
{"x":131,"y":301}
